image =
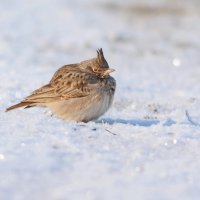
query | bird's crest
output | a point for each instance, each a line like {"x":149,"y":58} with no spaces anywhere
{"x":101,"y":60}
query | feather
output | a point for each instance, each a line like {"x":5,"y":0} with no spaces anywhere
{"x":21,"y":104}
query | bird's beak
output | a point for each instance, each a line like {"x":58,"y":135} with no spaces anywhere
{"x":108,"y":71}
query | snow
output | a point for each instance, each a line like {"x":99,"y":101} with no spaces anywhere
{"x":146,"y":146}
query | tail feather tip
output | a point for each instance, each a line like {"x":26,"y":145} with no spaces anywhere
{"x":22,"y":104}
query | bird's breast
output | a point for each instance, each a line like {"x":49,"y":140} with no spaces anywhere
{"x":108,"y":85}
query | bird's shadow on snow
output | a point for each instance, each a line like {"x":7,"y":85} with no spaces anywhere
{"x":136,"y":122}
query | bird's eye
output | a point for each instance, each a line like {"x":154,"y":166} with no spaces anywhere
{"x":93,"y":69}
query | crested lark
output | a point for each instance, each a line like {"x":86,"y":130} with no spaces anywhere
{"x":80,"y":92}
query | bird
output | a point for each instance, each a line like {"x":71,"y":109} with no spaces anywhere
{"x":79,"y":92}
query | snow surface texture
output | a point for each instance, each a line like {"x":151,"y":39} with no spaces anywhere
{"x":145,"y":148}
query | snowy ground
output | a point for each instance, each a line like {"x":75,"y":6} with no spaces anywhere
{"x":146,"y":148}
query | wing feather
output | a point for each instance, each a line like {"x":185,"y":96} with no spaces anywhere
{"x":68,"y":82}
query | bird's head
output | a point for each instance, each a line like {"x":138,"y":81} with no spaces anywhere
{"x":98,"y":65}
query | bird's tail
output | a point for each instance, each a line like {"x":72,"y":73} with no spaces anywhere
{"x":39,"y":97}
{"x":21,"y":104}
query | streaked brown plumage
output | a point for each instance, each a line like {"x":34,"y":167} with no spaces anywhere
{"x":80,"y":92}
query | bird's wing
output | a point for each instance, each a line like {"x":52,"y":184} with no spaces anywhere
{"x":74,"y":84}
{"x":65,"y":85}
{"x":64,"y":69}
